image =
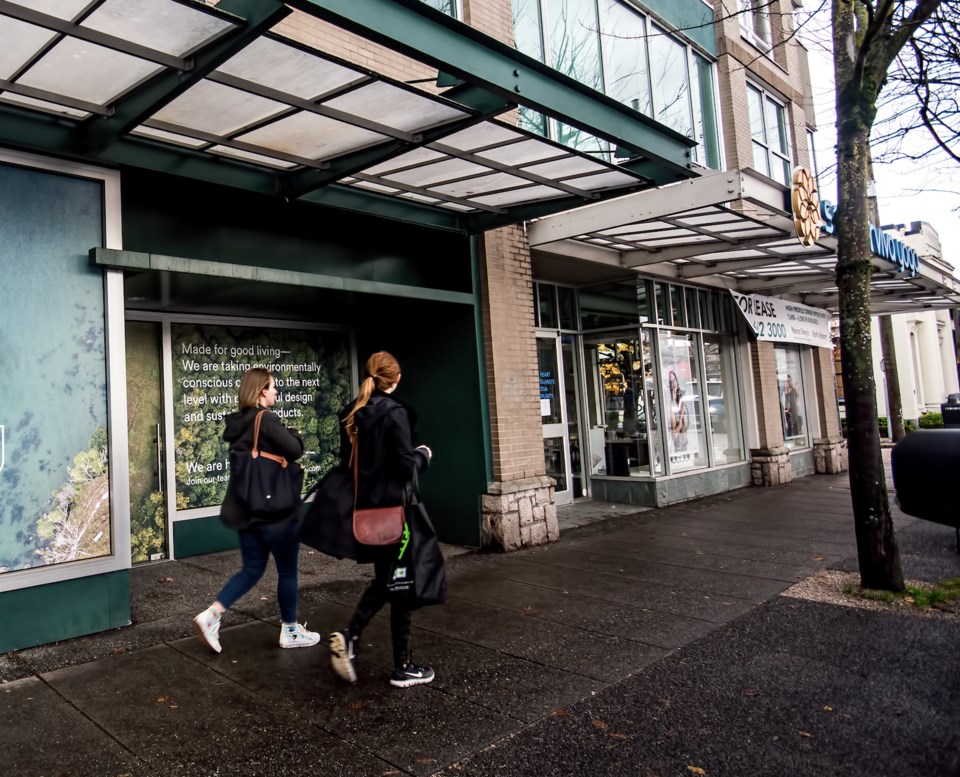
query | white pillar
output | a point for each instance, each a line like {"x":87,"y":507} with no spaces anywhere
{"x":930,"y":362}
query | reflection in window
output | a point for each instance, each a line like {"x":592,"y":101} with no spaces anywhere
{"x":625,"y":57}
{"x":448,"y":7}
{"x":574,"y":45}
{"x":790,"y":386}
{"x":755,"y":22}
{"x":671,"y":82}
{"x":723,"y":410}
{"x":705,"y":115}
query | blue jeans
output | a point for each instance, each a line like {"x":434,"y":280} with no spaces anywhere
{"x":282,"y":539}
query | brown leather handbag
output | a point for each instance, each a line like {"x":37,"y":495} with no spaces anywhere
{"x":374,"y":525}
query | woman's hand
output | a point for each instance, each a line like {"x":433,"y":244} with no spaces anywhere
{"x":426,"y":451}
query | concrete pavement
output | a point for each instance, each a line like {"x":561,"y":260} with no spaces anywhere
{"x":654,"y":644}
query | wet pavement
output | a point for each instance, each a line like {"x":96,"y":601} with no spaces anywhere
{"x":654,"y":644}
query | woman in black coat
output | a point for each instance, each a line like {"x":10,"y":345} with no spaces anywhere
{"x":381,"y":430}
{"x":259,"y":538}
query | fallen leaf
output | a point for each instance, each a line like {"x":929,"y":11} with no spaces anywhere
{"x":174,"y":706}
{"x":805,"y":733}
{"x":163,"y":698}
{"x":828,"y":708}
{"x":695,"y":769}
{"x":562,"y":713}
{"x":425,"y":761}
{"x":751,"y":692}
{"x":166,"y":579}
{"x":819,"y":558}
{"x":600,"y":724}
{"x":619,"y":735}
{"x":357,"y":705}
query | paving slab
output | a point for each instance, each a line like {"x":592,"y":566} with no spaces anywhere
{"x":181,"y":719}
{"x":662,"y":598}
{"x":614,"y":618}
{"x":44,"y":736}
{"x":733,"y":709}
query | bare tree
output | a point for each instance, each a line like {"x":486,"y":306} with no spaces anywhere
{"x":868,"y":38}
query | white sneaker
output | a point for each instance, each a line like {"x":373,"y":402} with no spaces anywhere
{"x":295,"y":635}
{"x":207,"y":625}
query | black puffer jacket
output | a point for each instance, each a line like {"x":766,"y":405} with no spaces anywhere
{"x":274,"y":438}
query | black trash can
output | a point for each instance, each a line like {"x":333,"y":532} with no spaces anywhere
{"x":951,"y":412}
{"x":926,"y":464}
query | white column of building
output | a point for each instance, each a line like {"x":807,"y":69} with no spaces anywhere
{"x":930,"y":362}
{"x":948,"y":358}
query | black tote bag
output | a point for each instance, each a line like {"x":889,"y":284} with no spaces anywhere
{"x":418,"y":577}
{"x":269,"y":485}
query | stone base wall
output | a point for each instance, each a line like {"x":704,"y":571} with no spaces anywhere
{"x":831,"y":455}
{"x":518,"y":513}
{"x":770,"y":466}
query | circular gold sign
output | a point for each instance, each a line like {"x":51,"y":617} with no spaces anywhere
{"x":806,"y":206}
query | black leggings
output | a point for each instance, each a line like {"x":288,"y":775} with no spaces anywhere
{"x":372,"y":602}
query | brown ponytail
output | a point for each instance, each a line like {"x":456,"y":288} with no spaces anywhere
{"x":382,"y":372}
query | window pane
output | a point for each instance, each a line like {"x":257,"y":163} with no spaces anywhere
{"x":574,"y":45}
{"x":582,"y":141}
{"x":644,"y":303}
{"x":671,"y":83}
{"x":607,"y":306}
{"x":777,"y":127}
{"x":448,"y":7}
{"x":686,"y":440}
{"x":723,"y":410}
{"x":693,"y":317}
{"x":676,"y":305}
{"x":566,"y":302}
{"x":625,"y":57}
{"x":707,"y":130}
{"x":663,"y":305}
{"x":526,"y":28}
{"x":755,"y":105}
{"x":547,"y":306}
{"x":761,"y":162}
{"x":790,"y":383}
{"x":533,"y":121}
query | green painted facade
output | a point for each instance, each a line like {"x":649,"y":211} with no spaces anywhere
{"x":57,"y":611}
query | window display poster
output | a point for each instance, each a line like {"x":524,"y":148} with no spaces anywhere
{"x":312,"y":373}
{"x":54,"y":476}
{"x":679,"y":391}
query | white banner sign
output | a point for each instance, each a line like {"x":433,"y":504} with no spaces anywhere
{"x":781,"y":321}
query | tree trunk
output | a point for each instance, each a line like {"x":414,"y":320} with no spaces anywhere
{"x":877,"y":551}
{"x":892,"y":373}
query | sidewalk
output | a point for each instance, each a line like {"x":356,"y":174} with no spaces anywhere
{"x":649,"y":644}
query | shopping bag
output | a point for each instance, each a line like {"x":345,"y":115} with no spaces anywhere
{"x":418,"y":577}
{"x":269,"y":485}
{"x":327,"y":520}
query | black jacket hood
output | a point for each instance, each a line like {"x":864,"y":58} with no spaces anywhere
{"x":238,"y":423}
{"x":378,"y":406}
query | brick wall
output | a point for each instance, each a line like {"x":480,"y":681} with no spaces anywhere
{"x":826,"y":388}
{"x":511,"y":355}
{"x":491,"y":17}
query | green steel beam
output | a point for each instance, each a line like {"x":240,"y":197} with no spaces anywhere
{"x":413,"y":28}
{"x":255,"y":17}
{"x":137,"y":260}
{"x":483,"y":103}
{"x":371,"y":203}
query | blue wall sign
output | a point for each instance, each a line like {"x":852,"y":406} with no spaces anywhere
{"x":883,"y":245}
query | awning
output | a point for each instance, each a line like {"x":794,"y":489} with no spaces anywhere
{"x":210,"y":93}
{"x":731,"y":229}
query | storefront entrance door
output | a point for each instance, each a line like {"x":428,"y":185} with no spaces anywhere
{"x":560,"y":464}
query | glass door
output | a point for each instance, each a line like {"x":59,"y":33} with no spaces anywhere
{"x":553,"y":415}
{"x":148,"y":499}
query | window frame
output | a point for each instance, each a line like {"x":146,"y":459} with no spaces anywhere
{"x":752,"y":17}
{"x":772,"y":154}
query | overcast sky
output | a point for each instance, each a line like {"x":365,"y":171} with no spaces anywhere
{"x":905,"y":191}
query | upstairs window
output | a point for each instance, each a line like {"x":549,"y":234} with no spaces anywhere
{"x":771,"y":136}
{"x":449,"y":7}
{"x":755,"y":23}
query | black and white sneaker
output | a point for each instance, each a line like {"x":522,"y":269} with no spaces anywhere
{"x":409,"y":674}
{"x":342,"y":652}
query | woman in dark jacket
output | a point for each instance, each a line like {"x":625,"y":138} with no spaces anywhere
{"x":259,"y":538}
{"x":381,"y":430}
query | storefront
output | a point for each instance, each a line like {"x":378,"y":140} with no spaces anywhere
{"x":187,"y":192}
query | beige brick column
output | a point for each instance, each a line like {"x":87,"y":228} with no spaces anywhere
{"x":830,"y":450}
{"x":770,"y":463}
{"x":518,"y":508}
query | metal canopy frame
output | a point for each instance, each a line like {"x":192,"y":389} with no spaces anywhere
{"x":731,"y":229}
{"x":208,"y":92}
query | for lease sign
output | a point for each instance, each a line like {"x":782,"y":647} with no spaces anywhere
{"x":781,"y":321}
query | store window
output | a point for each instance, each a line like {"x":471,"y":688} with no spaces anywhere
{"x":683,"y":400}
{"x":723,"y":406}
{"x":790,"y":388}
{"x":771,"y":136}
